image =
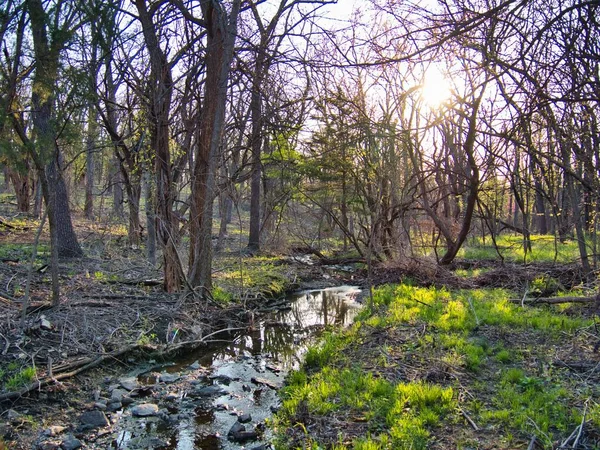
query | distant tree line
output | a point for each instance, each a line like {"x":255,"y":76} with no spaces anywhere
{"x":317,"y":127}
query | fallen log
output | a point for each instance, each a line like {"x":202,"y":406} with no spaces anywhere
{"x":83,"y":365}
{"x":556,"y":300}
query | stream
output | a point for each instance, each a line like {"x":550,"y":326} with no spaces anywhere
{"x":220,"y":396}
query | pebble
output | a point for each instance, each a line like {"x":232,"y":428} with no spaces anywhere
{"x":172,"y":396}
{"x":71,"y":443}
{"x":144,"y":410}
{"x":114,"y":406}
{"x":244,"y":418}
{"x":208,"y":391}
{"x":117,"y":394}
{"x":93,"y":419}
{"x":54,"y":430}
{"x":127,"y":400}
{"x":195,"y":365}
{"x":100,"y":405}
{"x":169,"y":377}
{"x":129,"y":383}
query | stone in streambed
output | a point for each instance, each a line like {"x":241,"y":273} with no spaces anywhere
{"x":71,"y":443}
{"x":244,"y":418}
{"x":93,"y":419}
{"x":144,"y":410}
{"x":54,"y":430}
{"x":129,"y":383}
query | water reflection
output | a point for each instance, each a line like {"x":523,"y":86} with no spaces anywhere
{"x":281,"y":336}
{"x":267,"y":351}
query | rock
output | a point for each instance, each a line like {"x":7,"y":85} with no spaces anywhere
{"x":208,"y":391}
{"x":71,"y":443}
{"x":114,"y":406}
{"x":243,"y":436}
{"x":236,"y":428}
{"x":129,"y":383}
{"x":144,"y":410}
{"x":100,"y":405}
{"x":13,"y":415}
{"x":117,"y":394}
{"x":244,"y":418}
{"x":259,"y":447}
{"x":54,"y":430}
{"x":48,"y":445}
{"x":265,"y":382}
{"x":172,"y":396}
{"x":93,"y":419}
{"x":169,"y":377}
{"x":195,"y":365}
{"x":45,"y":324}
{"x":126,"y":401}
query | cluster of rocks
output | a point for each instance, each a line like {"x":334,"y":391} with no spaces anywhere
{"x":169,"y":399}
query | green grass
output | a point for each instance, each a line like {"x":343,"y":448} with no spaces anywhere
{"x":14,"y":377}
{"x":544,"y":248}
{"x":506,"y":393}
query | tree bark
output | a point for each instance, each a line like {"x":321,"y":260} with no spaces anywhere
{"x":44,"y":150}
{"x":221,"y":29}
{"x":161,"y":91}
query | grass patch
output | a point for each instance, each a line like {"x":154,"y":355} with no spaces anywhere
{"x":544,"y":248}
{"x":404,"y":370}
{"x":14,"y":377}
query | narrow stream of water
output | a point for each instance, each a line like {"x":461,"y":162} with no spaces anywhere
{"x":234,"y":381}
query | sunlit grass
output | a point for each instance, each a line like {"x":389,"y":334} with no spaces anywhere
{"x":544,"y":248}
{"x":408,"y":410}
{"x":505,"y":393}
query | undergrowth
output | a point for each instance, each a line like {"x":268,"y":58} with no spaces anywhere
{"x":442,"y":356}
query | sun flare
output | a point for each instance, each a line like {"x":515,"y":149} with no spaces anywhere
{"x":435,"y":89}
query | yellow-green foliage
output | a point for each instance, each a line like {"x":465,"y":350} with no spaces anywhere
{"x":511,"y":398}
{"x":407,"y":410}
{"x":544,"y":248}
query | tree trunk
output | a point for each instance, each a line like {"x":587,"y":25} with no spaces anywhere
{"x":219,"y":54}
{"x":22,"y":186}
{"x":150,"y":218}
{"x":161,"y":91}
{"x":89,"y":164}
{"x":45,"y":149}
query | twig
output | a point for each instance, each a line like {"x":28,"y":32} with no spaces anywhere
{"x":471,"y":422}
{"x":581,"y":425}
{"x":473,"y":309}
{"x":531,"y":445}
{"x":523,"y":299}
{"x":7,"y":345}
{"x":85,"y":364}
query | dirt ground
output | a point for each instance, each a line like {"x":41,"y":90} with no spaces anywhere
{"x":113,"y":314}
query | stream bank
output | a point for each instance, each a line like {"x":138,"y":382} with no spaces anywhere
{"x":217,"y":397}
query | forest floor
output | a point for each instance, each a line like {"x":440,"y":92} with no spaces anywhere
{"x":113,"y":315}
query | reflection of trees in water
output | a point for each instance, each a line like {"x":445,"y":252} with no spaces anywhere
{"x":278,"y":344}
{"x":318,"y":308}
{"x":307,"y":310}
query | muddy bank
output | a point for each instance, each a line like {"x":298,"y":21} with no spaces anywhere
{"x":218,"y":396}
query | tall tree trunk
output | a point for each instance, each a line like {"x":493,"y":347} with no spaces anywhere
{"x":256,"y":147}
{"x":150,"y":208}
{"x":45,"y":153}
{"x":161,"y":91}
{"x":22,"y":186}
{"x":89,"y":164}
{"x":219,"y":54}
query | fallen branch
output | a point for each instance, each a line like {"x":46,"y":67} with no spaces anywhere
{"x":556,"y":300}
{"x":85,"y":364}
{"x":471,"y":422}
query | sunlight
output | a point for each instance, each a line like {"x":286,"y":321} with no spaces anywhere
{"x":435,"y":90}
